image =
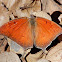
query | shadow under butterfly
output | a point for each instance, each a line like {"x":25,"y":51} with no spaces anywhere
{"x":27,"y":32}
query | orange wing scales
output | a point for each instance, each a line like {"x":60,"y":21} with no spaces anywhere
{"x":48,"y":31}
{"x":19,"y":31}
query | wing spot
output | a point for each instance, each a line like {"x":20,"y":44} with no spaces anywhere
{"x":46,"y":22}
{"x":15,"y":22}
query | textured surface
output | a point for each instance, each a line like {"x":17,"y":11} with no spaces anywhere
{"x":55,"y":53}
{"x":9,"y":57}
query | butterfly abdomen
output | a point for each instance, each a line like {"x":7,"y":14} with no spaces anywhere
{"x":33,"y":25}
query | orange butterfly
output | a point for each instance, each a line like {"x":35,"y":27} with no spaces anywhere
{"x":28,"y":31}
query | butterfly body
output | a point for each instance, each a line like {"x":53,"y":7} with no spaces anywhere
{"x":29,"y":31}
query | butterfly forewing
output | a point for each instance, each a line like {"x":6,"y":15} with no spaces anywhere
{"x":18,"y":30}
{"x":46,"y":31}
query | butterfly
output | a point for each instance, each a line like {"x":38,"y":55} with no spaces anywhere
{"x":31,"y":31}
